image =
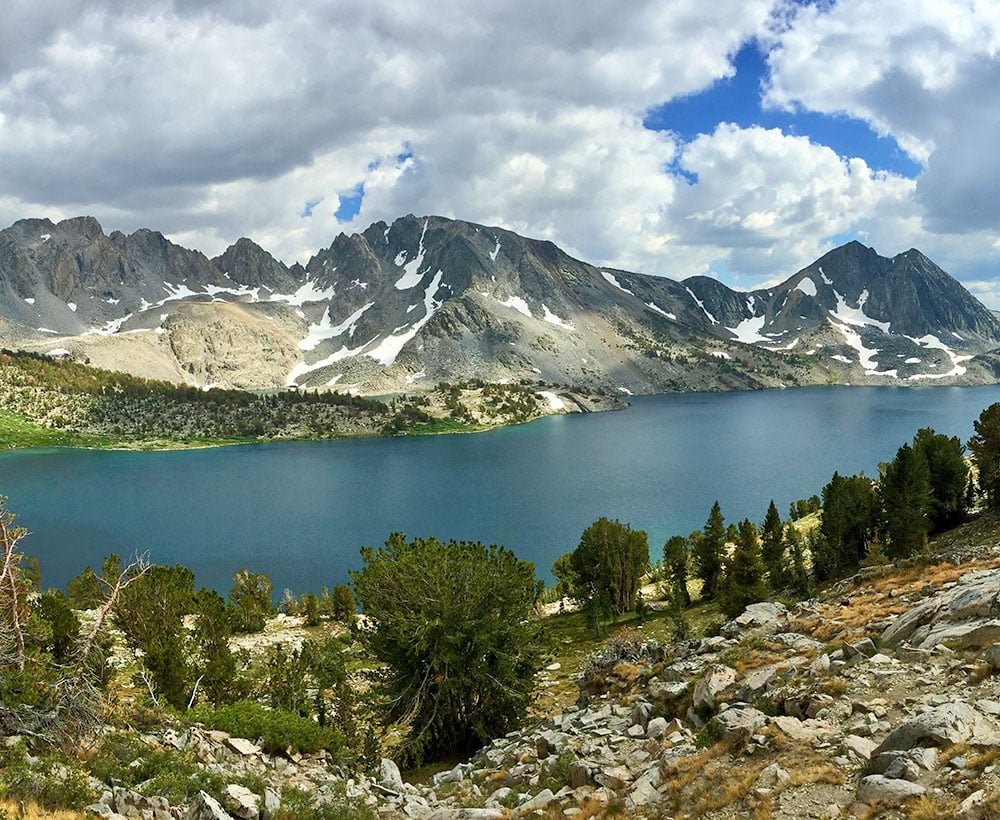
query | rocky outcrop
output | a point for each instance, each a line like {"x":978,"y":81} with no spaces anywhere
{"x":966,"y":615}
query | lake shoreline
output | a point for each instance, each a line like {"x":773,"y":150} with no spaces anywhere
{"x":599,"y":404}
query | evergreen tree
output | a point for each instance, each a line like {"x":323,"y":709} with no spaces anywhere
{"x":675,"y":561}
{"x":772,"y":548}
{"x":567,"y":583}
{"x":454,"y":624}
{"x":609,"y":563}
{"x":708,"y":552}
{"x":799,"y":574}
{"x":904,"y":493}
{"x":64,"y":626}
{"x":217,"y":666}
{"x":84,"y":591}
{"x":847,"y":525}
{"x":150,"y":613}
{"x":342,"y":604}
{"x":949,"y":477}
{"x":985,"y":448}
{"x":743,"y":582}
{"x":250,"y":601}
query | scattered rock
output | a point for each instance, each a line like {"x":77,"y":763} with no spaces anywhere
{"x":877,"y":788}
{"x":992,"y":657}
{"x":716,"y":680}
{"x":738,"y":722}
{"x":763,"y":618}
{"x":942,"y":725}
{"x":241,"y":802}
{"x":206,"y":807}
{"x":389,"y":776}
{"x":242,"y":746}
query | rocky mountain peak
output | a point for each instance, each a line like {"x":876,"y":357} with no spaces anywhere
{"x":428,"y":298}
{"x":247,"y":263}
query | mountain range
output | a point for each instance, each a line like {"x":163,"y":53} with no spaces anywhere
{"x":430,"y":299}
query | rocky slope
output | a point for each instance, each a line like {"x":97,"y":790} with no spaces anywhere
{"x":424,"y":300}
{"x":878,"y":699}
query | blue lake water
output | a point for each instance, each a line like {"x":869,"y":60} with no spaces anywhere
{"x":300,"y":511}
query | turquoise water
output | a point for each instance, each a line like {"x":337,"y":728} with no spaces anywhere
{"x":301,"y":511}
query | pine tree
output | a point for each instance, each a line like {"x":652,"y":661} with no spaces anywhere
{"x":904,"y":494}
{"x":675,"y":562}
{"x":799,"y":574}
{"x":949,"y":477}
{"x":985,"y":447}
{"x":772,"y":548}
{"x":609,"y":562}
{"x":847,"y":525}
{"x":743,"y":582}
{"x":708,"y":552}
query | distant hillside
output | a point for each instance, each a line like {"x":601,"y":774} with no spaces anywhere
{"x":425,"y":300}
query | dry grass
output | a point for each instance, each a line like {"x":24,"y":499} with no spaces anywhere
{"x":755,"y":654}
{"x":984,"y":758}
{"x":927,"y":807}
{"x":811,"y":771}
{"x":32,"y":811}
{"x":834,"y":687}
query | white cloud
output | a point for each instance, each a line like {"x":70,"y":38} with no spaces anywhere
{"x":214,"y":119}
{"x":767,"y":203}
{"x":925,"y":72}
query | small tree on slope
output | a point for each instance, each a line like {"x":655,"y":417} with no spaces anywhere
{"x":454,"y":624}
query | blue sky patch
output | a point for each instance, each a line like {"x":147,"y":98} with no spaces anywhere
{"x":307,"y":211}
{"x":737,"y":100}
{"x":350,"y":203}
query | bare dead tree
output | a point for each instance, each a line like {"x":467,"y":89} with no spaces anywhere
{"x":84,"y":656}
{"x":74,"y":700}
{"x":13,"y":610}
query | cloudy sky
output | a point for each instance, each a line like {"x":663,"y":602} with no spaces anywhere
{"x":740,"y":138}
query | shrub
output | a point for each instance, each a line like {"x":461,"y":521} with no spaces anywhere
{"x":277,"y":730}
{"x":297,"y":804}
{"x":52,"y":781}
{"x":170,"y":773}
{"x":455,"y":625}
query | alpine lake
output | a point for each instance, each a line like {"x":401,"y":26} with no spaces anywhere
{"x":300,"y":511}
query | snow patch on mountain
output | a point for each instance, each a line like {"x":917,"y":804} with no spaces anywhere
{"x":807,"y":286}
{"x":656,"y":309}
{"x":932,"y":342}
{"x":613,"y":281}
{"x":305,"y":294}
{"x":701,"y":304}
{"x":110,"y":328}
{"x":412,"y":275}
{"x":555,"y":403}
{"x":325,"y":329}
{"x":518,"y":304}
{"x":302,"y":368}
{"x":242,"y":290}
{"x":748,"y":331}
{"x":387,"y":351}
{"x":856,"y":315}
{"x":866,"y":355}
{"x":552,"y":319}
